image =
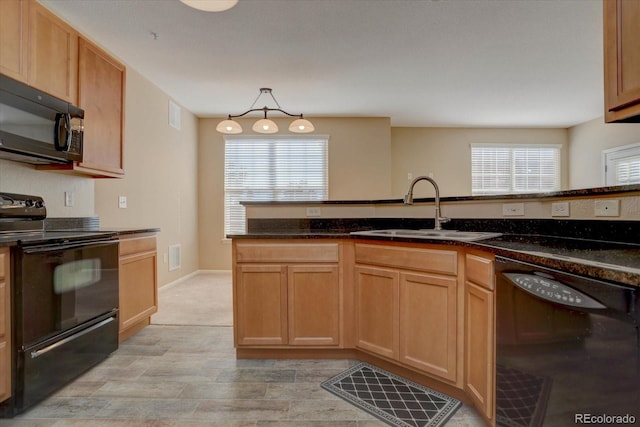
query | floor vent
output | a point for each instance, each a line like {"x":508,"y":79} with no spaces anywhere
{"x":174,"y":257}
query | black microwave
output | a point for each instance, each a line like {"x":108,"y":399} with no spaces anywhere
{"x":36,"y":127}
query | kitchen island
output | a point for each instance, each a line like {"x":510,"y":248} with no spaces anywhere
{"x":424,"y":309}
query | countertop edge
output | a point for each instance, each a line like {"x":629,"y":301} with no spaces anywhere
{"x":608,"y":274}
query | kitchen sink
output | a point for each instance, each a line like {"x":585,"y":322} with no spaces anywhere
{"x":431,"y":234}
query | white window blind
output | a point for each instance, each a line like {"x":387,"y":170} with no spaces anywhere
{"x":503,"y":169}
{"x":272,"y":168}
{"x":622,"y":165}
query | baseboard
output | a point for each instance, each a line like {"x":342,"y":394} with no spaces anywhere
{"x":189,"y":276}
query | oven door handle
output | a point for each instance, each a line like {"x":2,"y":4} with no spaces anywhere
{"x":38,"y":353}
{"x":64,"y":247}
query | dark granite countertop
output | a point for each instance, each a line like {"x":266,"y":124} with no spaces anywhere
{"x":584,"y":192}
{"x":604,"y":260}
{"x":66,"y":229}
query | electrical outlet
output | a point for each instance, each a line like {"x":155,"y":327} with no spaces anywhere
{"x":607,"y":207}
{"x":68,"y":198}
{"x":513,"y":209}
{"x":122,"y":202}
{"x":409,"y":176}
{"x":560,"y":209}
{"x":313,"y":212}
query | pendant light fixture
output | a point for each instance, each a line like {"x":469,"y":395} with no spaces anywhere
{"x":265,"y":125}
{"x":211,"y":5}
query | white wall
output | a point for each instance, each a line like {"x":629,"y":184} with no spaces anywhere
{"x":586,"y":142}
{"x":23,"y":178}
{"x":160,"y":180}
{"x":445,"y":152}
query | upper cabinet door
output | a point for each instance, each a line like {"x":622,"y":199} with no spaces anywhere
{"x":53,"y":56}
{"x":101,"y":92}
{"x":14,"y":38}
{"x":622,"y":60}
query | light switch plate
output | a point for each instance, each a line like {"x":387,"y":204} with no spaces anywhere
{"x":122,"y":202}
{"x":68,"y":198}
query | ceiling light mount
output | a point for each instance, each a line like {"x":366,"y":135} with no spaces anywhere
{"x":265,"y":125}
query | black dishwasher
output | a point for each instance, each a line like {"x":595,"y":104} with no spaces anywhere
{"x":567,"y":348}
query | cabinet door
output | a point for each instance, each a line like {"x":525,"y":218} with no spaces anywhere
{"x":377,"y":310}
{"x":622,"y":59}
{"x":428,"y":323}
{"x":314,"y":304}
{"x":261,"y":304}
{"x":14,"y":38}
{"x":53,"y":54}
{"x":138,"y":283}
{"x":5,"y":327}
{"x":479,"y":348}
{"x":101,"y":86}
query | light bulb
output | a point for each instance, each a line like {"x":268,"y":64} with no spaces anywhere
{"x":265,"y":126}
{"x":301,"y":126}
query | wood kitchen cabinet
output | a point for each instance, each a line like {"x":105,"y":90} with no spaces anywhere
{"x":14,"y":38}
{"x":101,"y":94}
{"x":287,"y":294}
{"x":377,"y":310}
{"x":622,"y":60}
{"x":38,"y":48}
{"x":479,"y":372}
{"x":5,"y":326}
{"x":53,"y":54}
{"x":138,"y":282}
{"x":406,"y":306}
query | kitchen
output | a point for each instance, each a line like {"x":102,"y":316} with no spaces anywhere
{"x":195,"y":187}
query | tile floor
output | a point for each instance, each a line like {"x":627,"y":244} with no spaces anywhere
{"x":168,"y":376}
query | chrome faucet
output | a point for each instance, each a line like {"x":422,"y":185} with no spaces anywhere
{"x":408,"y":200}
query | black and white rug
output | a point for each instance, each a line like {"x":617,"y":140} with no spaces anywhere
{"x":393,"y":399}
{"x":521,"y":397}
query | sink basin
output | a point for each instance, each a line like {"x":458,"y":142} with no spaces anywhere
{"x":466,"y":236}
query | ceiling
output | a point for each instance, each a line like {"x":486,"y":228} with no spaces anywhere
{"x":454,"y":63}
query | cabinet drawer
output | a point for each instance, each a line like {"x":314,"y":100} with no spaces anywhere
{"x":287,"y":252}
{"x":134,"y":245}
{"x":479,"y":270}
{"x":433,"y":260}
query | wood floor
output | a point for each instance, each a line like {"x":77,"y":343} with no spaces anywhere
{"x":187,"y":375}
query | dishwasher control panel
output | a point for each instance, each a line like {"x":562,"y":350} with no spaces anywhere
{"x":552,"y":290}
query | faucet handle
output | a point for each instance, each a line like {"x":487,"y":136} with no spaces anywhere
{"x":444,"y":219}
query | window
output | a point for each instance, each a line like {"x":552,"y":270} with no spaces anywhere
{"x":503,"y":169}
{"x":272,"y":168}
{"x":622,"y":165}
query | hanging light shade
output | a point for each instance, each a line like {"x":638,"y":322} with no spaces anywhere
{"x":265,"y":125}
{"x":229,"y":127}
{"x":211,"y":5}
{"x":301,"y":125}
